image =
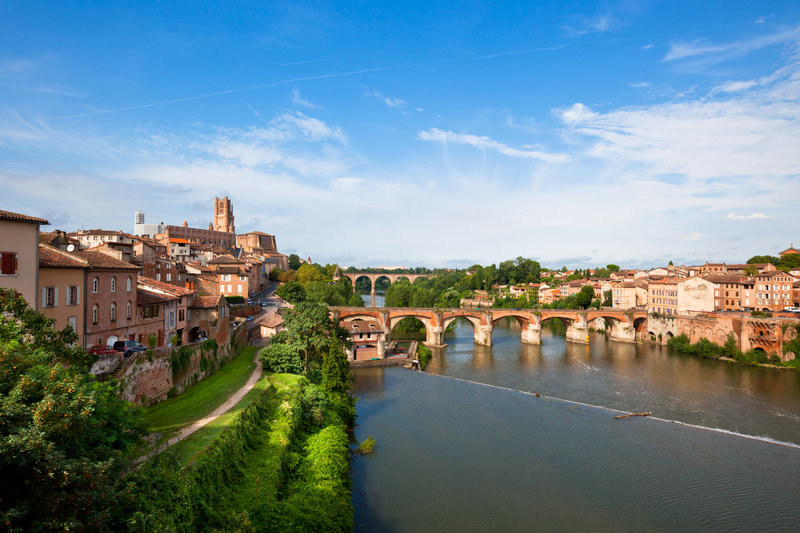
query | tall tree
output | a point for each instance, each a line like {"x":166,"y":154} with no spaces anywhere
{"x":63,"y":435}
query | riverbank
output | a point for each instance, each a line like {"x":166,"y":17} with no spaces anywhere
{"x":281,"y":464}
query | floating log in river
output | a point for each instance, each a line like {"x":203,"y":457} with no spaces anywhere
{"x":646,"y":413}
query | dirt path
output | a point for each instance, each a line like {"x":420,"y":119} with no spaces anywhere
{"x":226,"y":406}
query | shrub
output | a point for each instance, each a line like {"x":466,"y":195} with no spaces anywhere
{"x":424,"y":355}
{"x":235,"y":299}
{"x":281,"y":358}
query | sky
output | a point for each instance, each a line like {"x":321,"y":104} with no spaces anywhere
{"x":437,"y":134}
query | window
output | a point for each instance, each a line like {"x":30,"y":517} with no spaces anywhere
{"x":158,"y":276}
{"x":128,"y":310}
{"x":172,"y":319}
{"x":113,"y":284}
{"x":49,"y":296}
{"x":226,"y":277}
{"x":73,"y":322}
{"x":95,"y":285}
{"x":169,"y":276}
{"x":128,"y":284}
{"x":180,"y":315}
{"x":169,"y":266}
{"x":94,"y":314}
{"x":73,"y":295}
{"x":8,"y":264}
{"x":113,"y":312}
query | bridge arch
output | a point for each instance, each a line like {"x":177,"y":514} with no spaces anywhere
{"x":640,"y":328}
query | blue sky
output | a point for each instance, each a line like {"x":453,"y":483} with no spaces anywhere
{"x":429,"y":133}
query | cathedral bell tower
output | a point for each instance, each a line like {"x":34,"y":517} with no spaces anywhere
{"x":223,"y":215}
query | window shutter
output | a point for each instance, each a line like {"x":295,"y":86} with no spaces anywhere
{"x":78,"y":295}
{"x":43,"y":301}
{"x":55,"y":296}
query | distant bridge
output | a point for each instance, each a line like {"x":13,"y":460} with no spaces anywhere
{"x":374,"y":276}
{"x":625,"y":326}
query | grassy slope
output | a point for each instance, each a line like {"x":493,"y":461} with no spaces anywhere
{"x":202,"y":398}
{"x":191,"y":446}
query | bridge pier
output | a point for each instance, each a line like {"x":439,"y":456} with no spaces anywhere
{"x":382,"y":346}
{"x":532,"y":334}
{"x":434,"y":336}
{"x":623,"y":332}
{"x":483,"y":334}
{"x":578,"y":331}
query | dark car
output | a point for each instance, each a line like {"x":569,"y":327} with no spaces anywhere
{"x":129,"y":347}
{"x":102,"y":350}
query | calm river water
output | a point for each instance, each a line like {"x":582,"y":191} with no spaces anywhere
{"x":481,"y":453}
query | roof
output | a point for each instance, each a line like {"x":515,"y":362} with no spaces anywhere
{"x":101,"y":260}
{"x":178,"y":240}
{"x":205,"y":301}
{"x":102,"y":232}
{"x":169,"y":288}
{"x":725,"y":278}
{"x":145,"y":297}
{"x":18,"y":217}
{"x":51,"y":257}
{"x":362,"y":326}
{"x":54,"y":237}
{"x":224,"y":258}
{"x":271,"y":321}
{"x":790,"y":250}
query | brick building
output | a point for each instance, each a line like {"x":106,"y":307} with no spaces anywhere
{"x":110,"y":299}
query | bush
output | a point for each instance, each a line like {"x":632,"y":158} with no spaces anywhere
{"x":281,"y":358}
{"x":235,"y":299}
{"x":424,"y":355}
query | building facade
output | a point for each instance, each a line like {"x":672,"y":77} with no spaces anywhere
{"x":19,"y":254}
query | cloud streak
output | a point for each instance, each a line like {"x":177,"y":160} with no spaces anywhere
{"x":486,"y":143}
{"x":222,"y":93}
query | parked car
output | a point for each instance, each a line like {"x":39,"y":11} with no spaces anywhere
{"x":129,"y":347}
{"x":792,"y":309}
{"x":102,"y":350}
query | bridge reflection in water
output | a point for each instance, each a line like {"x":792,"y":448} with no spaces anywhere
{"x":624,"y":326}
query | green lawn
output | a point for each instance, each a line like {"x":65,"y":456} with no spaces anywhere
{"x":202,"y":398}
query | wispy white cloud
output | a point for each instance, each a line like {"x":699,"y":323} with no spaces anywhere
{"x":486,"y":143}
{"x":299,"y":100}
{"x":684,"y":50}
{"x":752,"y":132}
{"x":640,"y":84}
{"x":752,"y":216}
{"x":395,"y":103}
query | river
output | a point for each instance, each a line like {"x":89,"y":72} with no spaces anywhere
{"x":482,"y":453}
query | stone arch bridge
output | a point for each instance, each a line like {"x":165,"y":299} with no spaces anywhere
{"x":374,"y":276}
{"x":625,"y":326}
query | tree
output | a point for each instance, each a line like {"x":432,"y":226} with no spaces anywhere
{"x":750,"y":270}
{"x":294,"y":261}
{"x":63,"y":435}
{"x":612,"y":268}
{"x":761,"y":259}
{"x":336,"y":376}
{"x":293,"y":292}
{"x":789,"y":262}
{"x":608,"y":299}
{"x":309,"y":330}
{"x":308,"y":273}
{"x":585,"y":296}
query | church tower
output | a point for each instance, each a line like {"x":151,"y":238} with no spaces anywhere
{"x":223,"y":215}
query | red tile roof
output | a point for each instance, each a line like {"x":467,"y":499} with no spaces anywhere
{"x":101,"y":260}
{"x":163,"y":286}
{"x":17,"y":217}
{"x":51,"y":257}
{"x":145,"y":297}
{"x":205,"y":301}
